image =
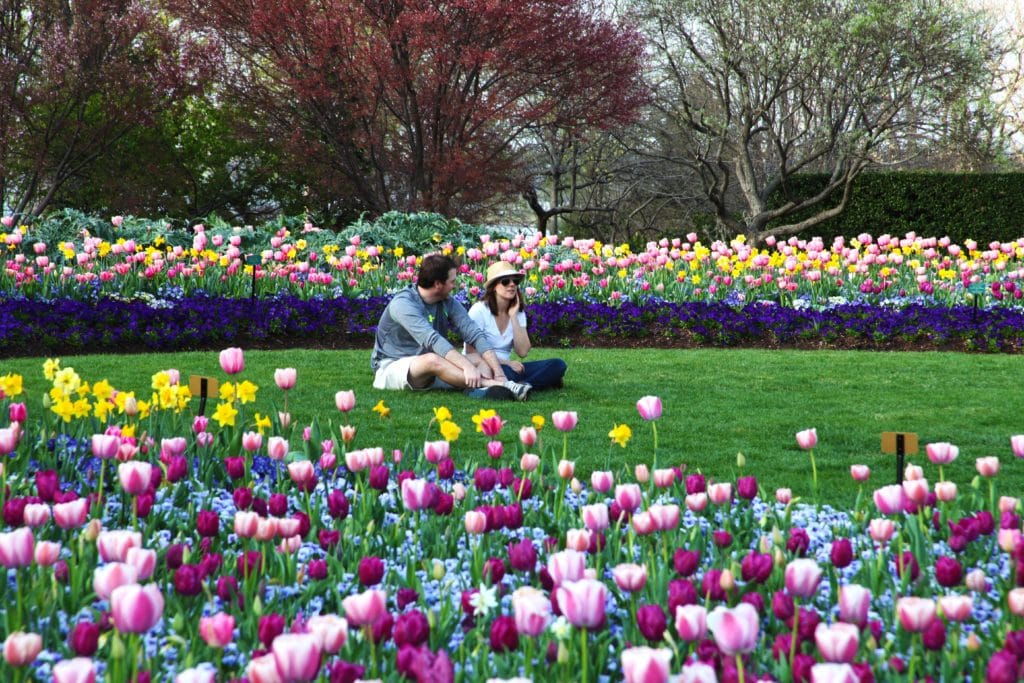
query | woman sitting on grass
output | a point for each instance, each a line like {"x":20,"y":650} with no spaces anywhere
{"x":500,"y":315}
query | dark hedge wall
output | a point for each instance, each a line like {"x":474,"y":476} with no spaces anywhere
{"x":983,"y":207}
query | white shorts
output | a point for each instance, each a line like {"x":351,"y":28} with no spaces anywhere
{"x":394,"y":375}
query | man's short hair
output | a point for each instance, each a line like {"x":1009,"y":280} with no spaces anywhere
{"x":433,"y":269}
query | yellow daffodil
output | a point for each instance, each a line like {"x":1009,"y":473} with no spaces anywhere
{"x":82,"y":407}
{"x":11,"y":385}
{"x":128,"y":431}
{"x":481,"y":416}
{"x":225,"y":415}
{"x":120,"y":397}
{"x":83,"y":390}
{"x":538,"y":421}
{"x":382,"y":409}
{"x":101,"y":409}
{"x":262,"y":423}
{"x":160,"y":380}
{"x":63,"y":408}
{"x":184,"y":396}
{"x":227,"y":392}
{"x":450,"y":431}
{"x":67,"y":380}
{"x":442,"y":414}
{"x":50,"y":368}
{"x":102,"y":390}
{"x":143,"y":408}
{"x":247,"y":392}
{"x":621,"y":434}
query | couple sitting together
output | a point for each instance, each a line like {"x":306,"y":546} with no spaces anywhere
{"x":412,"y":351}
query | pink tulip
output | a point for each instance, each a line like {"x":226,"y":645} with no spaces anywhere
{"x":113,"y":575}
{"x":263,"y":670}
{"x":46,"y":553}
{"x":436,"y":451}
{"x":105,"y":446}
{"x":527,"y":436}
{"x":628,"y":496}
{"x":977,"y":581}
{"x":172,"y":448}
{"x":831,"y":672}
{"x":21,"y":649}
{"x":988,"y":466}
{"x":582,"y":602}
{"x":252,"y":441}
{"x":356,"y":461}
{"x":783,"y":496}
{"x":644,"y":523}
{"x":36,"y":514}
{"x":135,"y":608}
{"x":144,"y":561}
{"x":881,"y":530}
{"x":646,"y":665}
{"x":666,"y":517}
{"x":8,"y":440}
{"x":417,"y":494}
{"x":837,"y":642}
{"x":630,"y":577}
{"x":663,"y":478}
{"x":566,"y":469}
{"x":16,"y":548}
{"x":330,"y":630}
{"x":567,"y":565}
{"x":578,"y":539}
{"x":564,"y":420}
{"x":345,"y":400}
{"x":301,"y":472}
{"x":1008,"y":504}
{"x":696,"y":502}
{"x":854,"y":602}
{"x":217,"y":631}
{"x":77,"y":670}
{"x":1015,"y":601}
{"x":916,"y":489}
{"x":246,"y":523}
{"x":266,"y":528}
{"x":490,"y":426}
{"x":945,"y":491}
{"x":196,"y":675}
{"x":531,"y":610}
{"x":475,"y":522}
{"x":134,"y":476}
{"x":912,"y":472}
{"x":890,"y":500}
{"x":595,"y":517}
{"x":720,"y":493}
{"x":697,"y":672}
{"x":649,"y":407}
{"x":285,"y":378}
{"x":529,"y":462}
{"x":691,"y":622}
{"x":232,"y":360}
{"x":601,"y":481}
{"x":297,"y":656}
{"x":364,"y":608}
{"x":495,"y":449}
{"x":860,"y":472}
{"x":288,"y":527}
{"x":807,"y":439}
{"x":956,"y":607}
{"x":735,"y":630}
{"x":72,"y":514}
{"x":941,"y":453}
{"x":642,"y":473}
{"x":915,"y":613}
{"x":802,"y":577}
{"x":277,"y":448}
{"x":1017,"y":445}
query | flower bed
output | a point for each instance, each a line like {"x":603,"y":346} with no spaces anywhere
{"x":142,"y":543}
{"x":61,"y":327}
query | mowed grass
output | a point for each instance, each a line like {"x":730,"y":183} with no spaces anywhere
{"x":717,"y":403}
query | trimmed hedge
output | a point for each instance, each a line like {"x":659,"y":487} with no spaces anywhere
{"x":979,"y":206}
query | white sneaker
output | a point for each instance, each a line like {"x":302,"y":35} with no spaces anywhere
{"x":521,"y":390}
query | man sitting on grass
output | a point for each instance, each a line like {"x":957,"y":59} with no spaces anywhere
{"x":411,"y":349}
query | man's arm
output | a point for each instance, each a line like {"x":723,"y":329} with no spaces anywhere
{"x":414,"y":321}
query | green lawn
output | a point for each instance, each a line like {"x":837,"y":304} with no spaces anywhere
{"x":717,"y":403}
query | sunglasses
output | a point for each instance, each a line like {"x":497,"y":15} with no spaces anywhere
{"x":506,"y":281}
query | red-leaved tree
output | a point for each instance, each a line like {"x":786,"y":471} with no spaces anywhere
{"x":75,"y":77}
{"x":422,"y":104}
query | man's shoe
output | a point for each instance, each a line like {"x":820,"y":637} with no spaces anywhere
{"x":521,"y":390}
{"x":499,"y":393}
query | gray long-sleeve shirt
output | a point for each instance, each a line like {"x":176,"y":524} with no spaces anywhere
{"x":412,"y":327}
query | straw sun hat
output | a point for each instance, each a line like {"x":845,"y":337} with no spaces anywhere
{"x":499,"y":270}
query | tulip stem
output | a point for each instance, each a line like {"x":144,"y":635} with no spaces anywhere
{"x":739,"y":666}
{"x":814,"y":475}
{"x":654,"y":431}
{"x":793,"y":637}
{"x":584,"y":672}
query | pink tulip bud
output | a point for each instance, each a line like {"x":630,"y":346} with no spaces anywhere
{"x":628,"y":496}
{"x":364,"y":608}
{"x":691,"y":622}
{"x":595,"y":517}
{"x":915,"y":614}
{"x":649,"y":407}
{"x":860,"y":472}
{"x":112,"y":575}
{"x":1008,"y":503}
{"x":36,"y":514}
{"x":881,"y":530}
{"x":46,"y":553}
{"x":75,"y":670}
{"x":956,"y":607}
{"x":476,"y":522}
{"x":582,"y":602}
{"x":566,"y":469}
{"x":495,"y":449}
{"x":783,"y":496}
{"x":837,"y":642}
{"x":945,"y":491}
{"x":802,"y":577}
{"x":696,"y":502}
{"x":913,"y":472}
{"x":136,"y":608}
{"x":916,"y":489}
{"x":330,"y":630}
{"x":252,"y":441}
{"x":301,"y":472}
{"x":532,"y":611}
{"x":528,"y":436}
{"x":345,"y":400}
{"x":646,"y":665}
{"x":72,"y":514}
{"x":21,"y":649}
{"x":642,"y":473}
{"x":285,"y":378}
{"x":890,"y":500}
{"x":720,"y":493}
{"x":143,"y":560}
{"x":563,"y":420}
{"x":630,"y":577}
{"x":436,"y":451}
{"x":735,"y":630}
{"x":601,"y":481}
{"x":1017,"y":445}
{"x":664,"y":478}
{"x":854,"y":603}
{"x":941,"y":453}
{"x":567,"y":565}
{"x":987,"y":467}
{"x":807,"y":439}
{"x":232,"y":360}
{"x":16,"y":548}
{"x":277,"y":448}
{"x":104,"y":446}
{"x":578,"y":539}
{"x":1015,"y":601}
{"x":134,"y":476}
{"x":529,"y":462}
